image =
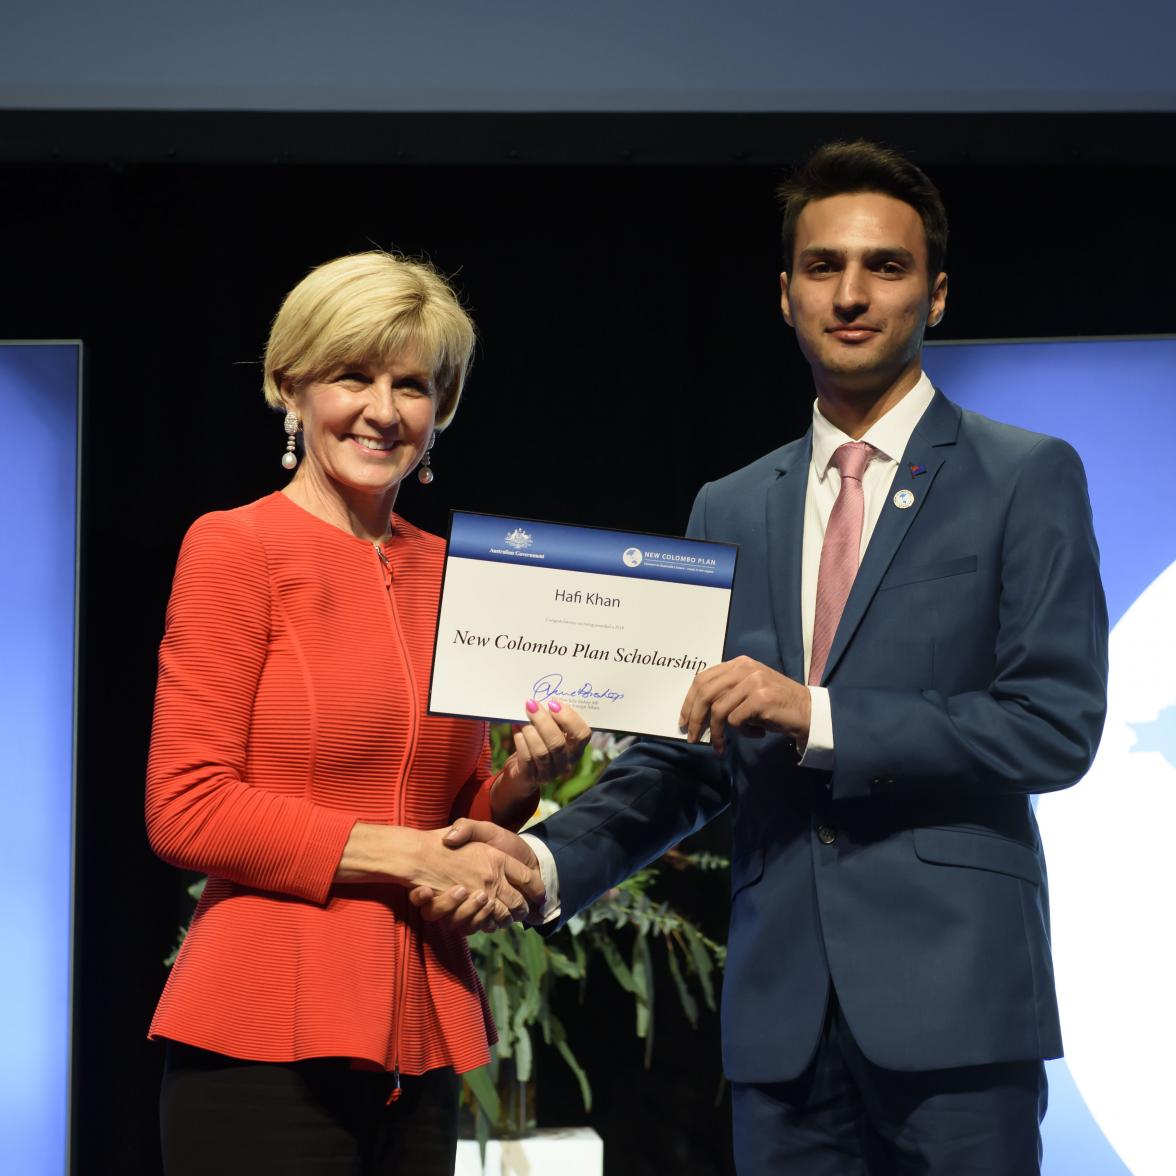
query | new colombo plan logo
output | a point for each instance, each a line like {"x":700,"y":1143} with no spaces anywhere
{"x":632,"y":557}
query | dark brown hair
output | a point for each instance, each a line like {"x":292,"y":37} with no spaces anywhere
{"x":841,"y":168}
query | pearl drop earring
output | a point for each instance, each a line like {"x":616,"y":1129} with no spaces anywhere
{"x":425,"y":470}
{"x":290,"y":424}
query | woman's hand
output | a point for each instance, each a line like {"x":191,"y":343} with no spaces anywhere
{"x":499,"y":887}
{"x":456,"y":908}
{"x":548,"y":746}
{"x":496,"y":884}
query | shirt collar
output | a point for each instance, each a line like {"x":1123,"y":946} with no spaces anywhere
{"x":889,"y":434}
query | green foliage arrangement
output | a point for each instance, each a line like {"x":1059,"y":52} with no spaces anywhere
{"x":623,"y":928}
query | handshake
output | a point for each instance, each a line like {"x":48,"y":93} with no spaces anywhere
{"x":478,"y":876}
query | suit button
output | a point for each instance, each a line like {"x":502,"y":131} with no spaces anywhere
{"x":827,"y":834}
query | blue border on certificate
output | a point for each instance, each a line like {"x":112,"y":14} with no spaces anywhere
{"x":575,"y":548}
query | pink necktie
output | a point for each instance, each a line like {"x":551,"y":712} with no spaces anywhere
{"x":839,"y":552}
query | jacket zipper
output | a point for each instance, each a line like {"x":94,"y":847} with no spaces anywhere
{"x":386,"y":570}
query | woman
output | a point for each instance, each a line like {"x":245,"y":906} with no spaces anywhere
{"x":314,"y":1023}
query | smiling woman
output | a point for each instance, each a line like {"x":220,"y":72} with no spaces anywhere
{"x":310,"y":1013}
{"x":368,"y":357}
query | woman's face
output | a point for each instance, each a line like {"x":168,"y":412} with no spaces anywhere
{"x":366,"y":427}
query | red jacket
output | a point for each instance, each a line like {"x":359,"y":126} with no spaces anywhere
{"x":293,"y":682}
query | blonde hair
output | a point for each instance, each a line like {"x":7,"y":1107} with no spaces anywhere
{"x":369,"y":308}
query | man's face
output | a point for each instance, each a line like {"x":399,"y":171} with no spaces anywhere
{"x":859,"y":295}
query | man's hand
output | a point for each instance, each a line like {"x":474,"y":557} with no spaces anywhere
{"x":749,"y":695}
{"x":459,"y":909}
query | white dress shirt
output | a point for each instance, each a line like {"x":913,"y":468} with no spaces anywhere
{"x":889,"y":435}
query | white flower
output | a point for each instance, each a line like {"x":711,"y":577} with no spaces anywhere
{"x":608,"y":745}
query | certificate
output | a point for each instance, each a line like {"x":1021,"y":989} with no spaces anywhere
{"x":616,"y":623}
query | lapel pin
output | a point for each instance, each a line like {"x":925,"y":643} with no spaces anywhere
{"x":916,"y":469}
{"x":904,"y":499}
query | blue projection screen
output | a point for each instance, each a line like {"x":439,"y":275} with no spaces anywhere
{"x":40,"y":404}
{"x":1111,"y":885}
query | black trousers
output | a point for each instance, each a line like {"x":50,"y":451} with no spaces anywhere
{"x":220,"y":1116}
{"x":844,"y":1116}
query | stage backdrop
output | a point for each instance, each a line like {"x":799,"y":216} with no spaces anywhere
{"x":1111,"y":884}
{"x":40,"y":408}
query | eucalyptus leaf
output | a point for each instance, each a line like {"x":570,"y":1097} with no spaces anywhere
{"x":703,"y":967}
{"x":482,"y":1126}
{"x":507,"y":943}
{"x":643,"y":984}
{"x":499,"y":999}
{"x":485,"y":1092}
{"x":528,"y":1006}
{"x":685,"y":997}
{"x":560,"y":965}
{"x":534,"y":956}
{"x":587,"y":772}
{"x":639,"y":882}
{"x":170,"y":958}
{"x":524,"y":1051}
{"x":617,"y":966}
{"x":565,"y":1052}
{"x":643,"y":965}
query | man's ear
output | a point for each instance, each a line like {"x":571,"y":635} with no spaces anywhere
{"x":938,"y":301}
{"x":785,"y":301}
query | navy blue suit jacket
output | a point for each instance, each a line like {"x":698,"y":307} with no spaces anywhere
{"x":968,"y":672}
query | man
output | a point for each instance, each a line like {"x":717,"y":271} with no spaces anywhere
{"x":917,"y":645}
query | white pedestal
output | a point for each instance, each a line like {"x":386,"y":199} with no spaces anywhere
{"x":562,"y":1151}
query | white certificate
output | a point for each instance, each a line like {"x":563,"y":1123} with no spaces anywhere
{"x":613,"y":622}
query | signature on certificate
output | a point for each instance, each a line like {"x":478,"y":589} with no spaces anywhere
{"x":552,"y":686}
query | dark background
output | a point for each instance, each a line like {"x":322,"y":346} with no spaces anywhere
{"x":623,"y":273}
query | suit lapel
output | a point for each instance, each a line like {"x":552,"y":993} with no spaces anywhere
{"x":785,"y":542}
{"x":927,"y":448}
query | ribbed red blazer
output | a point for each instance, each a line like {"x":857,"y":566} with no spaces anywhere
{"x":293,"y":681}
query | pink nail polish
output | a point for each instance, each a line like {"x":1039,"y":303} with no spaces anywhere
{"x":532,"y":706}
{"x":554,"y":706}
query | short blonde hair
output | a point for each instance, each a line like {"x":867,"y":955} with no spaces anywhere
{"x":370,"y":308}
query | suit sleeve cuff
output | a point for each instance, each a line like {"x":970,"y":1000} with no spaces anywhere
{"x":818,"y":752}
{"x":549,"y":912}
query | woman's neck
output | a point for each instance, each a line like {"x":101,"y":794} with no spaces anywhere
{"x":366,"y":516}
